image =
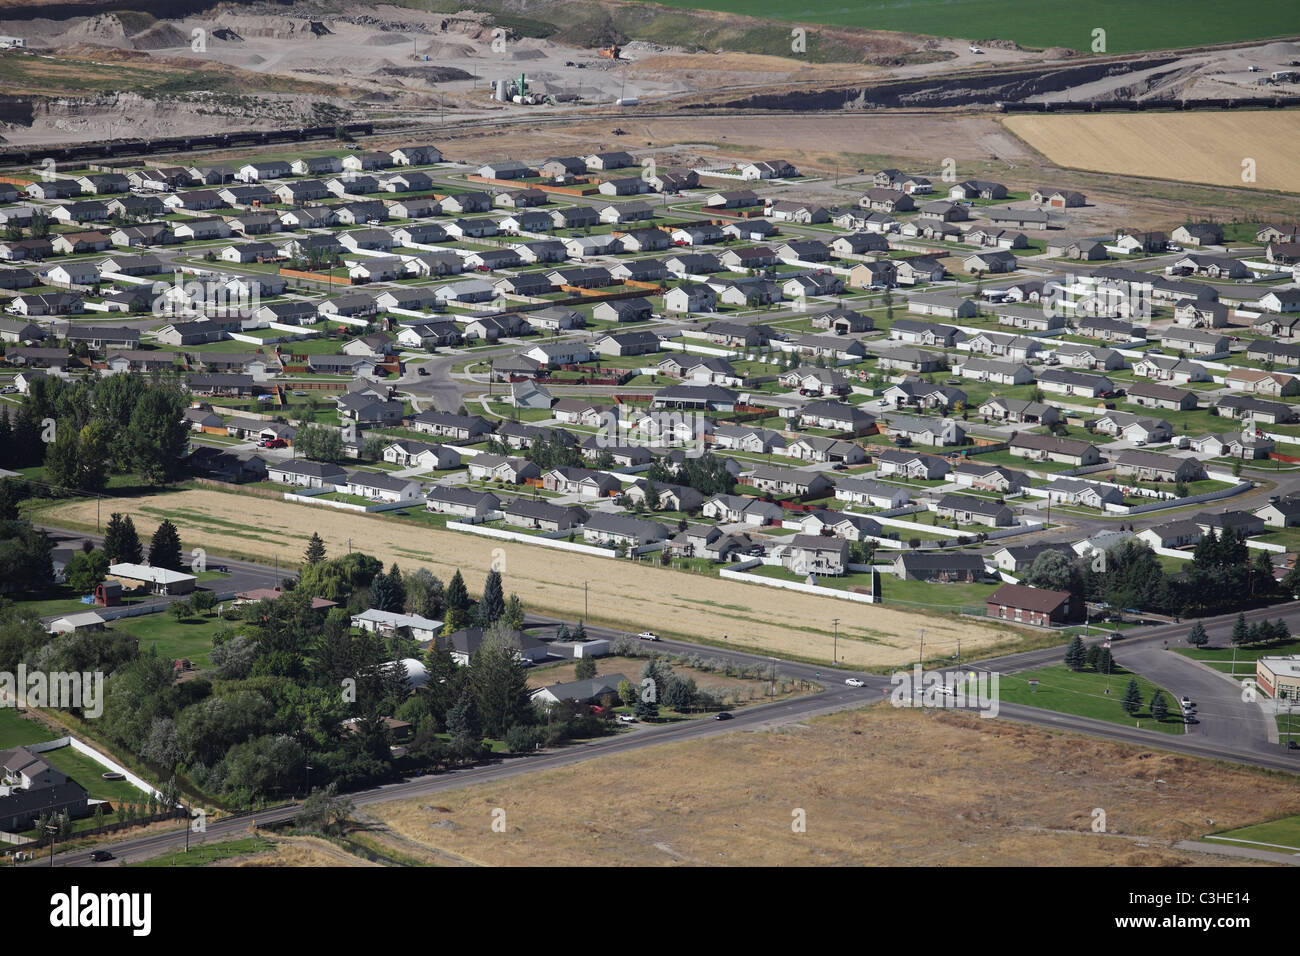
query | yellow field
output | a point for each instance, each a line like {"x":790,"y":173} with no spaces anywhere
{"x":1186,"y":147}
{"x":630,"y":596}
{"x":878,"y":786}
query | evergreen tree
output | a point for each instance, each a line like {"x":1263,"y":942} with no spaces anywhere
{"x":1093,"y":654}
{"x":457,"y":597}
{"x":6,"y":438}
{"x":579,"y":632}
{"x":462,"y":719}
{"x":1197,"y":637}
{"x":1075,"y":656}
{"x":1159,"y":707}
{"x":383,"y":597}
{"x":514,"y":616}
{"x":165,"y":547}
{"x":1262,"y":581}
{"x":113,"y":536}
{"x":315,"y":549}
{"x":493,"y":606}
{"x":1240,"y":632}
{"x":131,"y":551}
{"x":585,"y":669}
{"x":397,"y":586}
{"x":562,"y":632}
{"x":1132,"y":697}
{"x":1281,"y":632}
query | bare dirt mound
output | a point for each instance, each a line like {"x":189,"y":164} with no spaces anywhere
{"x":105,"y":29}
{"x":430,"y":74}
{"x":385,"y":39}
{"x":159,"y":37}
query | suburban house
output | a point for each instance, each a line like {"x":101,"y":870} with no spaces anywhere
{"x":1150,"y":466}
{"x":1069,"y":451}
{"x":1021,"y":604}
{"x":965,"y":509}
{"x":940,"y":566}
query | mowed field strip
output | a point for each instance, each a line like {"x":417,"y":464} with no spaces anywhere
{"x":879,"y":786}
{"x":621,"y":593}
{"x":1184,"y":147}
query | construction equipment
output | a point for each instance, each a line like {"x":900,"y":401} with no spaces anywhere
{"x":610,"y":52}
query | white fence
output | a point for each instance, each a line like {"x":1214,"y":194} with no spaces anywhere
{"x":99,"y":758}
{"x":737,"y":572}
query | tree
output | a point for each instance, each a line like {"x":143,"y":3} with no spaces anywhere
{"x":165,"y":547}
{"x":85,"y":570}
{"x":319,"y":443}
{"x":457,"y":597}
{"x":1159,"y":707}
{"x":493,"y":605}
{"x":585,"y":668}
{"x":383,"y":595}
{"x":130,"y":550}
{"x":1240,"y":632}
{"x":627,"y":693}
{"x":326,"y":810}
{"x":579,"y":632}
{"x":498,"y":682}
{"x":1075,"y":656}
{"x":1197,"y":636}
{"x":514,"y":615}
{"x":1281,"y":633}
{"x":423,"y":593}
{"x":315,"y":549}
{"x":1132,"y":697}
{"x":158,"y":434}
{"x":203,"y":602}
{"x":179,"y":610}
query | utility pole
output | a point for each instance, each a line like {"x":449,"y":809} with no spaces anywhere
{"x":922,"y":660}
{"x":835,"y":653}
{"x":584,"y":601}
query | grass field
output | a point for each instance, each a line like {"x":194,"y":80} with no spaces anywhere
{"x":878,"y":786}
{"x":1185,"y":147}
{"x":1083,"y":693}
{"x":1150,"y":25}
{"x":190,"y":637}
{"x":17,"y":731}
{"x":1281,"y":834}
{"x":90,"y":775}
{"x":625,"y":595}
{"x":207,"y":853}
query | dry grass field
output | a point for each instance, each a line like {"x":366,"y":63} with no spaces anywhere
{"x":1186,"y":147}
{"x":295,"y":852}
{"x":621,"y":594}
{"x":878,"y":786}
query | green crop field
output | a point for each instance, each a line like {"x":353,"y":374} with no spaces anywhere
{"x":1129,"y":26}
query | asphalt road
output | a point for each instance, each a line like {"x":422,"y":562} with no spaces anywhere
{"x":1227,"y":730}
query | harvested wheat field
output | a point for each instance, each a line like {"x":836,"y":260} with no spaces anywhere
{"x":877,"y":786}
{"x":622,"y":594}
{"x":1186,"y":147}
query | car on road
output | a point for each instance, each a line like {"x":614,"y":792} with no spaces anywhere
{"x":722,"y":715}
{"x":1187,"y":703}
{"x":1292,"y":745}
{"x":276,"y":443}
{"x":627,"y":718}
{"x":648,"y":636}
{"x":9,"y":389}
{"x":422,"y":370}
{"x":99,"y":856}
{"x":855,"y":682}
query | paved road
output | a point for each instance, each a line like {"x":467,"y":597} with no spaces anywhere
{"x":1145,"y":648}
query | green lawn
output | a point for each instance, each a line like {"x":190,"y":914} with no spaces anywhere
{"x":932,"y":594}
{"x":189,"y":637}
{"x":1083,"y":693}
{"x":18,"y":731}
{"x":1221,"y":658}
{"x":1283,"y":834}
{"x":90,"y":775}
{"x":205,"y":853}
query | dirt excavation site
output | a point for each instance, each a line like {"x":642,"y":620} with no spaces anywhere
{"x":878,"y":786}
{"x":620,"y":594}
